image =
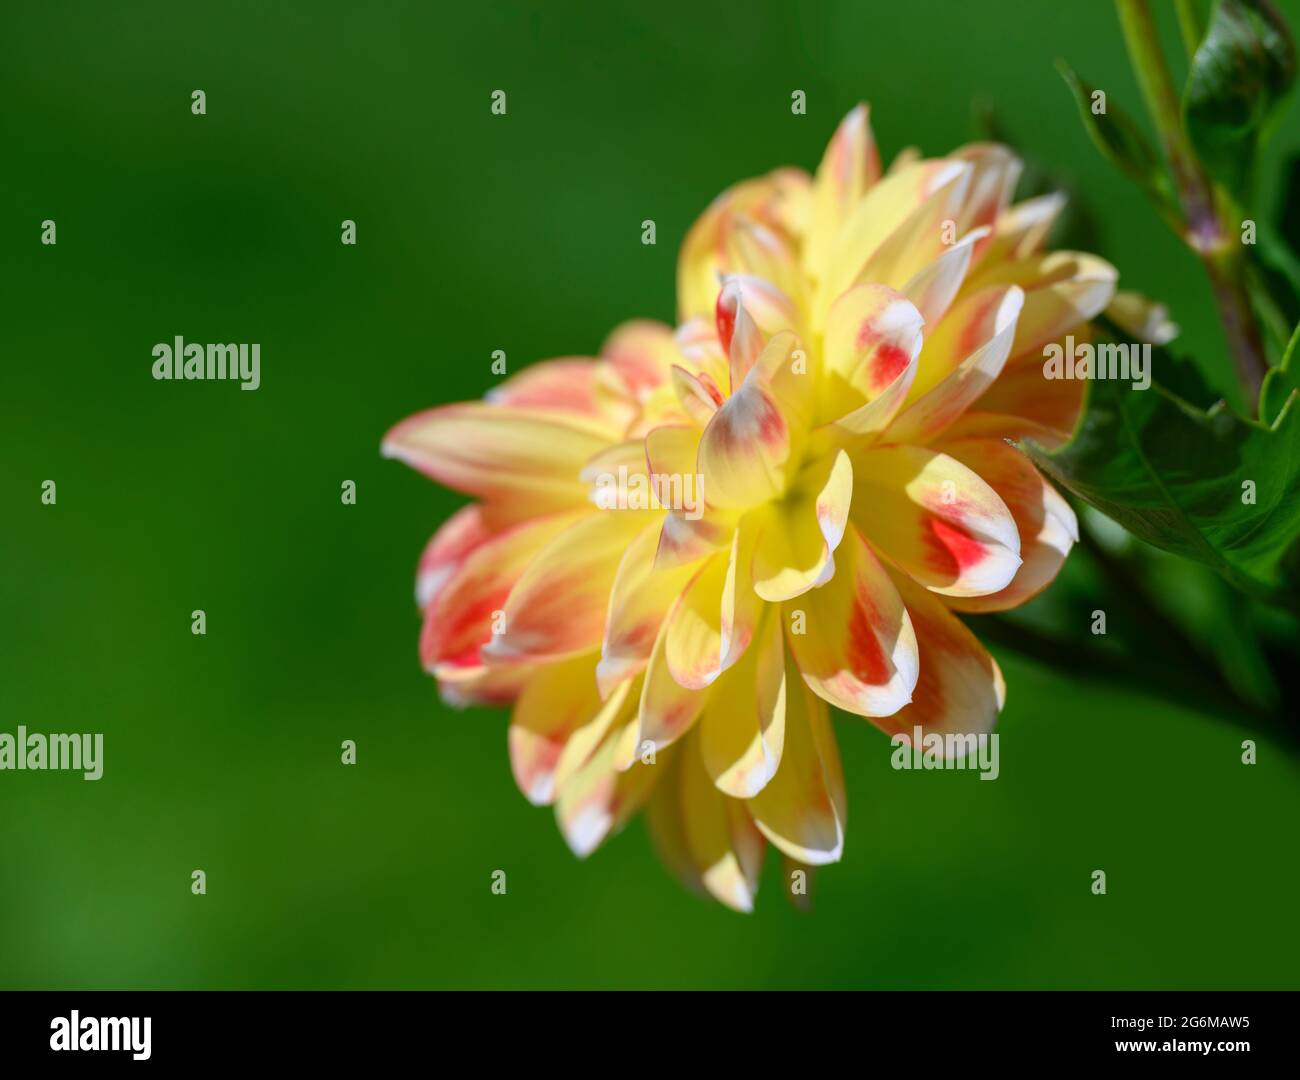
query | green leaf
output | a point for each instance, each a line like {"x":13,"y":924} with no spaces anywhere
{"x":1176,"y":476}
{"x":1280,"y":383}
{"x":1122,"y":142}
{"x":1239,"y":76}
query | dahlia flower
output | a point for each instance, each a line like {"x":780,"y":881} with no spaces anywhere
{"x":854,"y":350}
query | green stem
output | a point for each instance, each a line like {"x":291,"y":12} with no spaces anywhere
{"x":1219,"y":250}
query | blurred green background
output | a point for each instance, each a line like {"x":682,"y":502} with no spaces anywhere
{"x":522,"y":233}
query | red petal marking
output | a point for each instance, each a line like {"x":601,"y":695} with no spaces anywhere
{"x":756,"y":418}
{"x":472,"y":621}
{"x":725,"y":315}
{"x":888,"y":363}
{"x":950,"y":549}
{"x":706,"y":380}
{"x":974,"y":333}
{"x":933,"y":642}
{"x":866,"y":658}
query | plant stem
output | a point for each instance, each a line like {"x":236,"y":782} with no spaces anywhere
{"x":1220,"y":251}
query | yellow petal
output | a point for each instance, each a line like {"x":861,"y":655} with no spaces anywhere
{"x":557,"y":703}
{"x":713,"y":621}
{"x":638,"y":602}
{"x":887,"y":206}
{"x":933,"y":287}
{"x":849,"y":167}
{"x":802,"y":810}
{"x":796,"y":538}
{"x":742,"y":729}
{"x":666,"y":711}
{"x":922,"y":236}
{"x":996,"y":172}
{"x":1142,"y":317}
{"x":599,"y":798}
{"x":724,"y":846}
{"x":527,"y":460}
{"x":1020,"y":231}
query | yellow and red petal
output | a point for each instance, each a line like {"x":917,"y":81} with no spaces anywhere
{"x":459,"y":535}
{"x":1044,"y":520}
{"x":745,"y":450}
{"x":641,"y":351}
{"x":996,"y":172}
{"x":851,"y":638}
{"x":759,"y":252}
{"x":1019,"y":232}
{"x":460,"y":620}
{"x":873,"y":335}
{"x":972,"y":321}
{"x":565,"y":385}
{"x":697,"y":394}
{"x":961,"y":689}
{"x":944,"y":403}
{"x":487,"y":687}
{"x":558,"y":605}
{"x":773,"y":201}
{"x":935,"y":519}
